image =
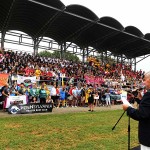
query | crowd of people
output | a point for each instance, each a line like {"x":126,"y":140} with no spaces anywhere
{"x":63,"y":82}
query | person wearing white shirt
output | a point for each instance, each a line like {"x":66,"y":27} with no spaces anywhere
{"x":75,"y":97}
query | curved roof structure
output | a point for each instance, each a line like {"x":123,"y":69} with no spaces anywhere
{"x":73,"y":23}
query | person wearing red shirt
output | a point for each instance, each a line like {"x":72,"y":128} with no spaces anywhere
{"x":43,"y":75}
{"x":49,"y":75}
{"x":27,"y":71}
{"x":71,"y":95}
{"x":32,"y":71}
{"x":63,"y":70}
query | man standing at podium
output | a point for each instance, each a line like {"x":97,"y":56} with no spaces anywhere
{"x":142,"y":115}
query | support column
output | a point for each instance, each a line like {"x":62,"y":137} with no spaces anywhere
{"x":2,"y":39}
{"x":102,"y":58}
{"x":134,"y":64}
{"x":87,"y":52}
{"x":61,"y":51}
{"x":64,"y":55}
{"x":131,"y":63}
{"x":117,"y":59}
{"x":36,"y":46}
{"x":121,"y":59}
{"x":105,"y":56}
{"x":83,"y":57}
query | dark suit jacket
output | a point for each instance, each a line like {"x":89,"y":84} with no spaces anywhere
{"x":143,"y":116}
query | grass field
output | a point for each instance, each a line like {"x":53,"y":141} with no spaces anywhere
{"x":70,"y":131}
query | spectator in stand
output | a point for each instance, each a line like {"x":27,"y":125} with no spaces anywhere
{"x":70,"y":98}
{"x":91,"y":99}
{"x":83,"y":95}
{"x":96,"y":98}
{"x":62,"y":97}
{"x":50,"y":100}
{"x":38,"y":73}
{"x":33,"y":93}
{"x":53,"y":93}
{"x":5,"y":93}
{"x":107,"y":94}
{"x":75,"y":96}
{"x":22,"y":89}
{"x":42,"y":94}
{"x":13,"y":91}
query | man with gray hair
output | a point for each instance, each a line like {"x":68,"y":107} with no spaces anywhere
{"x":142,"y":115}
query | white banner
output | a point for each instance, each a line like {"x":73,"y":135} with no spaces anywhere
{"x":28,"y":80}
{"x":17,"y":99}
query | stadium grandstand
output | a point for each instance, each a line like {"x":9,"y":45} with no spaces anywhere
{"x":56,"y":80}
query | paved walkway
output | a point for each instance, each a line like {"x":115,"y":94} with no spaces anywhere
{"x":66,"y":110}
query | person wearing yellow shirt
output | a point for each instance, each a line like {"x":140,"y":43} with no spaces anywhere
{"x":37,"y":73}
{"x":47,"y":91}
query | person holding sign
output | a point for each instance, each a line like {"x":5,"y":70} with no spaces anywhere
{"x":142,"y":115}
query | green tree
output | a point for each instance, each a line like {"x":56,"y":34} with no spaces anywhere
{"x":45,"y":54}
{"x":71,"y":57}
{"x":56,"y":54}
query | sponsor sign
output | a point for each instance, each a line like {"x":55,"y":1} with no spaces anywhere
{"x":26,"y":80}
{"x":16,"y":100}
{"x":30,"y":108}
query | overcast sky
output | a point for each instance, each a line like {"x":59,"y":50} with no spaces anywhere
{"x":127,"y":12}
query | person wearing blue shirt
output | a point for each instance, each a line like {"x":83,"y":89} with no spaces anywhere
{"x":62,"y":97}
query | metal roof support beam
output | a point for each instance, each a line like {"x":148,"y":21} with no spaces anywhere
{"x":42,"y":31}
{"x":110,"y":54}
{"x":67,"y":46}
{"x":45,"y":5}
{"x":39,"y":40}
{"x":104,"y":38}
{"x":123,"y":58}
{"x":139,"y":48}
{"x":89,"y":51}
{"x":143,"y":58}
{"x":6,"y":22}
{"x":80,"y":31}
{"x":125,"y":43}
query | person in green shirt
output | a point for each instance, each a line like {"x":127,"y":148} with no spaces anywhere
{"x":42,"y":94}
